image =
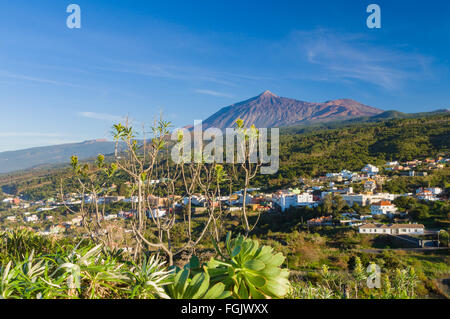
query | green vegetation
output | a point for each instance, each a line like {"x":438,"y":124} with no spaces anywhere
{"x":406,"y":184}
{"x":275,"y":255}
{"x":315,"y":152}
{"x":92,"y":271}
{"x":185,"y":286}
{"x":304,"y":152}
{"x":250,"y":271}
{"x":41,"y":267}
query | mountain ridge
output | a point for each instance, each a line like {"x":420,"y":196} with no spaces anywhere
{"x":269,"y":110}
{"x":54,"y":154}
{"x":30,"y":158}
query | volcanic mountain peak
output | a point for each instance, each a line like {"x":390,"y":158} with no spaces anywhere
{"x":267,"y":93}
{"x":269,"y":110}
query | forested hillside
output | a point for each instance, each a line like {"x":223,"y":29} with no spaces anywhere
{"x":310,"y":152}
{"x":330,"y":150}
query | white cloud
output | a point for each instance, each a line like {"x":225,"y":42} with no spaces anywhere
{"x":35,"y":79}
{"x":213,"y":93}
{"x":351,"y":57}
{"x":174,"y":72}
{"x":101,"y":116}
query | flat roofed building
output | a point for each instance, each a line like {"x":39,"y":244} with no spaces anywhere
{"x":395,"y":229}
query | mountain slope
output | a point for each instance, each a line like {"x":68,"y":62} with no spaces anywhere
{"x":57,"y":154}
{"x":269,"y":110}
{"x":307,"y":153}
{"x":264,"y":110}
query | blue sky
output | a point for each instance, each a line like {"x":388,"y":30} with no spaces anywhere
{"x":187,"y":59}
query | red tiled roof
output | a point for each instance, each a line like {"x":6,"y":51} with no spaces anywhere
{"x":383,"y":203}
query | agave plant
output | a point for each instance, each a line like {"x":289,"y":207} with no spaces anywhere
{"x":8,"y":281}
{"x":99,"y":273}
{"x":147,"y":280}
{"x":251,"y":270}
{"x":28,"y":277}
{"x":197,"y":287}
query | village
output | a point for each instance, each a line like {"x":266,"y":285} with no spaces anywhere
{"x":379,"y":214}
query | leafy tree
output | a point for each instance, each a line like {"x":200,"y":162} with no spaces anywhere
{"x":420,"y":212}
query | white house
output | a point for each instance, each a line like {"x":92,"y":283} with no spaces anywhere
{"x":347,"y":174}
{"x":395,"y":229}
{"x":374,"y":229}
{"x":392,"y":163}
{"x":370,"y":170}
{"x":370,"y":185}
{"x":111,"y":217}
{"x":407,"y":229}
{"x":432,"y":190}
{"x":382,"y":196}
{"x":367,"y":199}
{"x":383,"y":208}
{"x":332,"y":175}
{"x":288,"y":200}
{"x":344,"y":175}
{"x":31,"y":218}
{"x":360,"y":199}
{"x":157,"y":212}
{"x":426,"y":195}
{"x":195,"y":200}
